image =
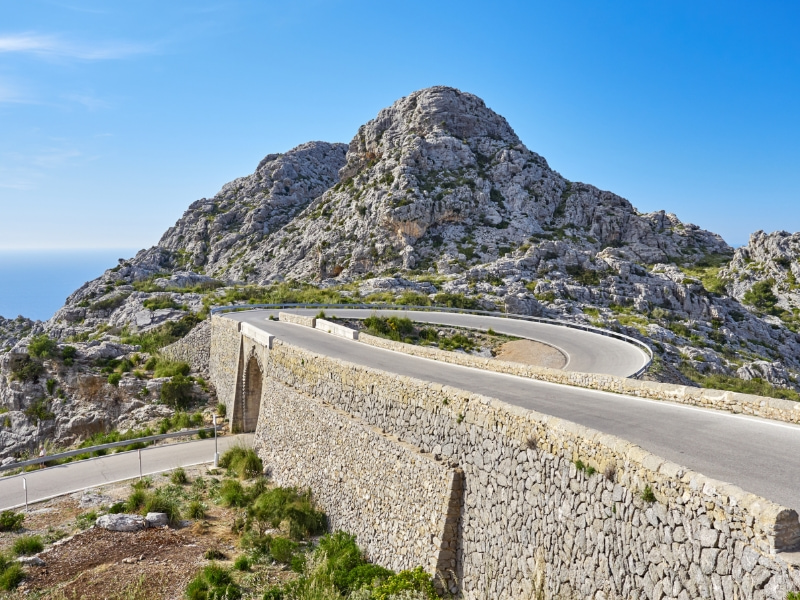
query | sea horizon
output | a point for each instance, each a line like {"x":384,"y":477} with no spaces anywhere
{"x":34,"y":283}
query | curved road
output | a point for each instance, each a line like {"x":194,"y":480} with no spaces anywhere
{"x":758,"y":455}
{"x":586,"y":352}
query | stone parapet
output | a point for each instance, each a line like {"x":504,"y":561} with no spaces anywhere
{"x":297,"y":319}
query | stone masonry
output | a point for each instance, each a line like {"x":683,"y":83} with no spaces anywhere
{"x":361,"y":477}
{"x":549,"y":509}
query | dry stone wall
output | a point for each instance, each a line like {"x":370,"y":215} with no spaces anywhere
{"x":402,"y":504}
{"x":194,"y":349}
{"x":224,"y":363}
{"x":534,"y":524}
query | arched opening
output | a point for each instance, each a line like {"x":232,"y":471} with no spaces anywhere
{"x":252,"y":396}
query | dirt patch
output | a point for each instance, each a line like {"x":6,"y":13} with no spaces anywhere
{"x":97,"y":563}
{"x":152,"y":564}
{"x":529,"y":352}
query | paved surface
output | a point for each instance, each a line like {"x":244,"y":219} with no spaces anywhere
{"x":80,"y":475}
{"x":758,"y":455}
{"x":586,"y":352}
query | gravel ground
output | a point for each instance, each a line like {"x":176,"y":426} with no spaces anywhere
{"x":531,"y":353}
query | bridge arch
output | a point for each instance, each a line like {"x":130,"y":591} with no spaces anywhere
{"x":245,"y":416}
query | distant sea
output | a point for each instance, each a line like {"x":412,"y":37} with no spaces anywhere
{"x":35,"y":283}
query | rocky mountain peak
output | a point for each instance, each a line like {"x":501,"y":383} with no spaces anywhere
{"x":431,"y":117}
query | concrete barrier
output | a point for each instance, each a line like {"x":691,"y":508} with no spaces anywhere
{"x":336,"y":329}
{"x":256,"y":334}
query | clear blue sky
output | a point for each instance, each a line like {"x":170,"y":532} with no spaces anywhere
{"x":116,"y":115}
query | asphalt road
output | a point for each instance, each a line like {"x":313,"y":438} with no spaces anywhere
{"x":586,"y":352}
{"x":758,"y":455}
{"x":77,"y":476}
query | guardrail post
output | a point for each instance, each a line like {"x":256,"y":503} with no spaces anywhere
{"x":216,"y":453}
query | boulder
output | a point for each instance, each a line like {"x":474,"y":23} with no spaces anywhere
{"x":121,"y":522}
{"x":155,"y":519}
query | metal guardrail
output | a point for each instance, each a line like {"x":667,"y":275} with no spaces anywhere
{"x":589,"y":328}
{"x":110,"y":445}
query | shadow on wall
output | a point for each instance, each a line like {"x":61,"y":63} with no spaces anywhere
{"x":247,"y":404}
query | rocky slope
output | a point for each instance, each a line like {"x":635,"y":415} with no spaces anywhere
{"x":437,"y":200}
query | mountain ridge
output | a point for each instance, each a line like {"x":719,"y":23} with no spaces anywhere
{"x":436,"y":199}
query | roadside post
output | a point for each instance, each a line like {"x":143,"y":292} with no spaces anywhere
{"x":216,"y":453}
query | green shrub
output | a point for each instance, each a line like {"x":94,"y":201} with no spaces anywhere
{"x":338,"y":555}
{"x":26,"y":369}
{"x":117,"y":508}
{"x":170,"y":368}
{"x":68,"y":354}
{"x":136,"y":501}
{"x":177,"y":392}
{"x":86,"y":520}
{"x":160,"y":301}
{"x":232,"y":494}
{"x":455,"y":301}
{"x":367,"y":575}
{"x":221,"y":410}
{"x":583,"y":276}
{"x":114,"y":379}
{"x":214,"y":554}
{"x":28,"y":544}
{"x":648,"y":495}
{"x":155,"y":339}
{"x":415,"y":580}
{"x":287,"y":504}
{"x":41,"y":346}
{"x":242,"y":461}
{"x":196,"y":510}
{"x":179,"y":477}
{"x":213,"y":582}
{"x":761,"y":296}
{"x":111,"y":303}
{"x":11,"y":521}
{"x":282,"y":549}
{"x":394,"y":328}
{"x":11,"y":573}
{"x":160,"y":502}
{"x":51,"y":386}
{"x":39,"y":411}
{"x":242,"y":563}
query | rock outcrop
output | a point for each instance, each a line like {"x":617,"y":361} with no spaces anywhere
{"x":434,"y":200}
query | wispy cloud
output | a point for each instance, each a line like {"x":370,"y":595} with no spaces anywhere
{"x":88,"y":101}
{"x":50,"y":46}
{"x":10,"y":94}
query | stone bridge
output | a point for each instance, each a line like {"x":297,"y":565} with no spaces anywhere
{"x":494,"y":500}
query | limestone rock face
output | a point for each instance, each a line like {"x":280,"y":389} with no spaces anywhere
{"x":768,"y":257}
{"x":436,"y":197}
{"x":437,"y":177}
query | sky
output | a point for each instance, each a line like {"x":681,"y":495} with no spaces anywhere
{"x":115,"y":116}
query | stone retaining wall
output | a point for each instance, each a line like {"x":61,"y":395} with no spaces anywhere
{"x":361,"y":477}
{"x":535,"y":525}
{"x":194,"y":348}
{"x":224,"y":363}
